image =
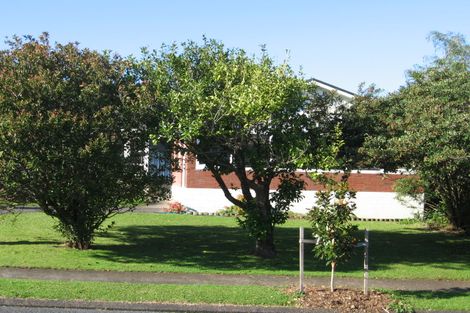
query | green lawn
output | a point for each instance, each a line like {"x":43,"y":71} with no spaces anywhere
{"x":209,"y":244}
{"x":453,"y":299}
{"x":211,"y":294}
{"x":127,"y":292}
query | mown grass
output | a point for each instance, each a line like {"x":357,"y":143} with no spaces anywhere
{"x":133,"y":292}
{"x":196,"y":294}
{"x":450,"y":299}
{"x":209,"y":244}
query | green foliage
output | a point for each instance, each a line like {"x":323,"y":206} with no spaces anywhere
{"x":437,"y":220}
{"x":425,"y":128}
{"x":434,"y":213}
{"x":232,"y":112}
{"x":331,"y":220}
{"x":72,"y":134}
{"x":365,"y":118}
{"x":233,"y":210}
{"x":399,"y":306}
{"x":409,"y":186}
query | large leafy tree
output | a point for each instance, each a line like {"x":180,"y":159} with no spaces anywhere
{"x":72,"y":135}
{"x":243,"y":116}
{"x":427,"y":129}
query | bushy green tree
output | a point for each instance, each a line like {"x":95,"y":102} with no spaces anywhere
{"x":245,"y":116}
{"x":366,"y":117}
{"x":73,"y":134}
{"x":427,"y":129}
{"x":331,"y":220}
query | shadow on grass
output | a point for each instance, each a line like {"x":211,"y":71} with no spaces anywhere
{"x":211,"y":247}
{"x":229,"y":248}
{"x":27,"y":242}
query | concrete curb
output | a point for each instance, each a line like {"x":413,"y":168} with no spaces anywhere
{"x":152,"y":307}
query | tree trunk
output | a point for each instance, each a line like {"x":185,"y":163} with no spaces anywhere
{"x":459,"y":213}
{"x":265,"y":247}
{"x":80,"y":245}
{"x":431,"y":202}
{"x":464,"y":222}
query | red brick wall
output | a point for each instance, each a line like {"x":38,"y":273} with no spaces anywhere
{"x":366,"y":182}
{"x":357,"y":181}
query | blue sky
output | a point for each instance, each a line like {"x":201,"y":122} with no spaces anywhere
{"x":341,"y":42}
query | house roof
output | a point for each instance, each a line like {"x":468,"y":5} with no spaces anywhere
{"x":343,"y":92}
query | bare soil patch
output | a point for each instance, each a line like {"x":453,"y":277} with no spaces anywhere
{"x":345,"y":300}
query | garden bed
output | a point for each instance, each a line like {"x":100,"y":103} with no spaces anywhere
{"x":345,"y":300}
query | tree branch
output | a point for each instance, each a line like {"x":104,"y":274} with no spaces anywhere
{"x":225,"y":189}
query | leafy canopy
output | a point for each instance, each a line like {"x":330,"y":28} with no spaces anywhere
{"x":428,"y":129}
{"x":72,"y":134}
{"x":235,"y":112}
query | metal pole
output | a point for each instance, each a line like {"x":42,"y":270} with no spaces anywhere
{"x":301,"y":259}
{"x":366,"y":262}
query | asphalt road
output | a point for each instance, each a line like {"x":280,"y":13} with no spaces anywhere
{"x":11,"y":309}
{"x":21,"y":309}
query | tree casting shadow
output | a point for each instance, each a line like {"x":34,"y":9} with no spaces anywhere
{"x":227,"y":248}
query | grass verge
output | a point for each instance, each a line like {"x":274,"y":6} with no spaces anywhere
{"x":133,"y":292}
{"x":208,"y":244}
{"x":454,"y":299}
{"x":197,"y":294}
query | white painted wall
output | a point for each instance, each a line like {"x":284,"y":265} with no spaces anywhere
{"x":380,"y":205}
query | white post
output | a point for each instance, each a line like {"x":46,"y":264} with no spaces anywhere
{"x":301,"y":259}
{"x":332,"y":278}
{"x":366,"y":262}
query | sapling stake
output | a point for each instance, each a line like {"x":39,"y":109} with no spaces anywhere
{"x":332,"y":281}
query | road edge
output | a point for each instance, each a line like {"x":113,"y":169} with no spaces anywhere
{"x":146,"y":306}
